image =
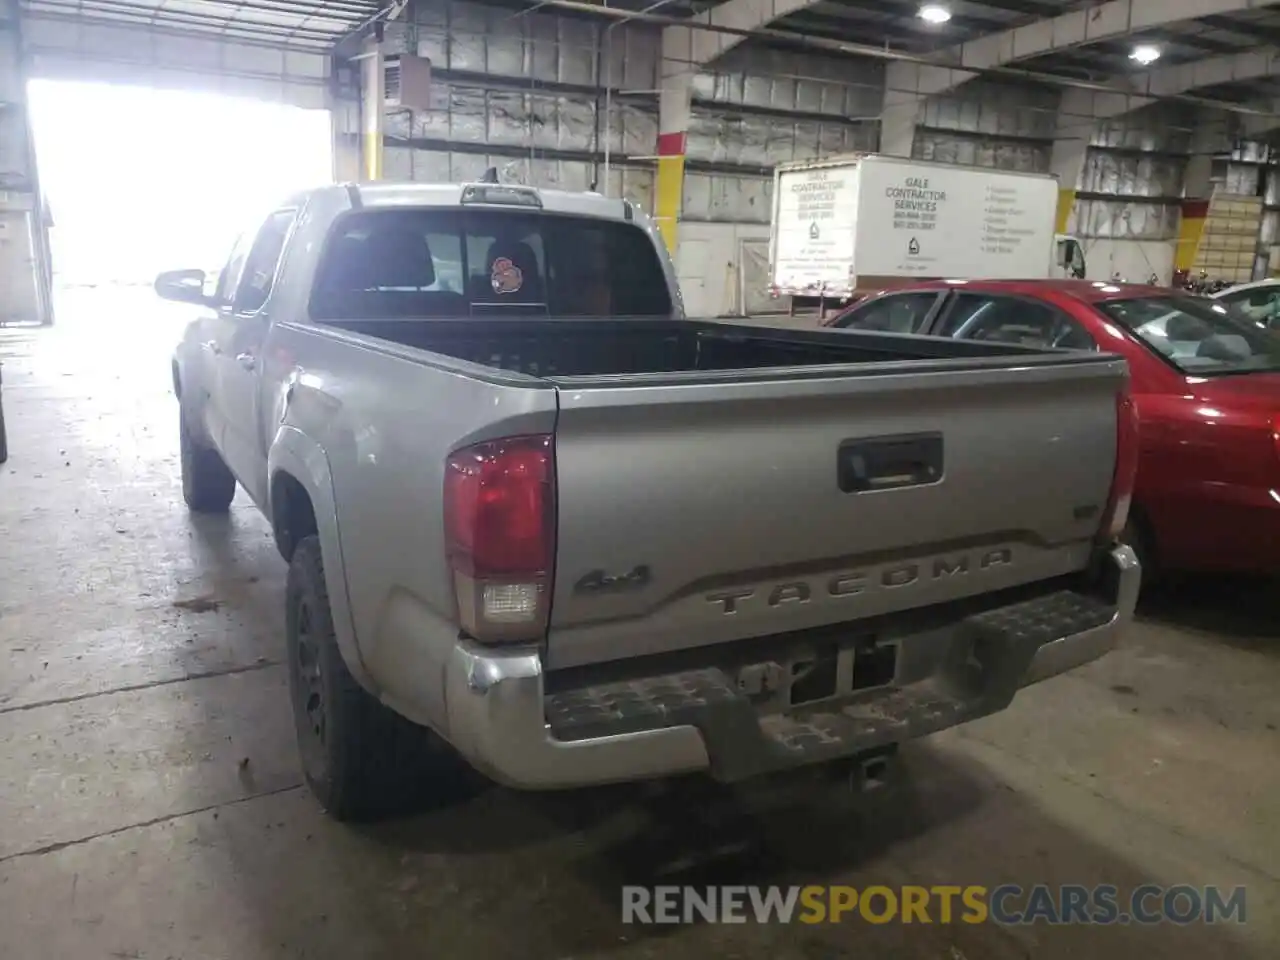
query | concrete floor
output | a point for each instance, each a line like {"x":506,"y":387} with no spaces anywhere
{"x":150,"y":799}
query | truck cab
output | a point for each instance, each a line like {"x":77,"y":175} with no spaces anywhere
{"x":1069,"y":262}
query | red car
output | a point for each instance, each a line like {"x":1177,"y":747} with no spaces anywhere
{"x":1205,"y":380}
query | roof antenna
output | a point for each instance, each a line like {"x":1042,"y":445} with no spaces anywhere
{"x":490,"y":175}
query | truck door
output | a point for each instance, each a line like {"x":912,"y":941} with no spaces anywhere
{"x":238,"y":391}
{"x":200,"y":390}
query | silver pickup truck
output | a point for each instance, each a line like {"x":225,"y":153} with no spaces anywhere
{"x":535,"y":514}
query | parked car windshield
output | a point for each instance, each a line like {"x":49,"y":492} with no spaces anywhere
{"x":414,"y":262}
{"x":1260,"y":304}
{"x":1197,"y":336}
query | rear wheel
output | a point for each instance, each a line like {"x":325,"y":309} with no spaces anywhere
{"x":362,"y":760}
{"x":207,"y":485}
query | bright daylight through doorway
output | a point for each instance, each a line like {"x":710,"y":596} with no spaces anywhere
{"x":140,"y":180}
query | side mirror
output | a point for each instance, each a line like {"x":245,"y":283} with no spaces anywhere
{"x":184,"y":286}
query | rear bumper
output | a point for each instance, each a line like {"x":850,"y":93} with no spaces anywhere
{"x":502,"y":718}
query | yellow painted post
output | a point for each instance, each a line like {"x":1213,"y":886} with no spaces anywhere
{"x":372,"y":95}
{"x":1190,"y":229}
{"x":669,"y":191}
{"x":1066,"y":200}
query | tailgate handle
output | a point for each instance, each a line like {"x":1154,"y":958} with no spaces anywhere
{"x":889,"y":463}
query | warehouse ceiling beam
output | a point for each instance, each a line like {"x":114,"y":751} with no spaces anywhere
{"x":1094,"y":24}
{"x":907,"y":85}
{"x":1080,"y":110}
{"x":744,"y":15}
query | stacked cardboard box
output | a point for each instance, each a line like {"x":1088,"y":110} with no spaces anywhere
{"x":1229,"y":243}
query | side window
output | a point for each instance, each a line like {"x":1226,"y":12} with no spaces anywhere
{"x":229,"y":278}
{"x":259,"y":269}
{"x":896,"y":313}
{"x":975,"y":316}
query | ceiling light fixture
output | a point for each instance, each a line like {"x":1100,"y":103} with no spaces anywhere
{"x":1145,"y":54}
{"x":935,"y":14}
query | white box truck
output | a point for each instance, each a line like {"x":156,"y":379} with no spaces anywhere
{"x":865,"y":221}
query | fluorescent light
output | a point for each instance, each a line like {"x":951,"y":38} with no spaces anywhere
{"x":934,"y":13}
{"x":1145,"y":54}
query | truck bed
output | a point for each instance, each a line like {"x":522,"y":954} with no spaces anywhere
{"x":716,"y":483}
{"x":594,"y":348}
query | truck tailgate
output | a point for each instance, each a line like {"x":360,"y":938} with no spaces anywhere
{"x":702,"y":510}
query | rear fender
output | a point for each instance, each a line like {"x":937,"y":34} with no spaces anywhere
{"x":297,"y":454}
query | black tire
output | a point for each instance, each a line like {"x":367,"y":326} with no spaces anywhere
{"x":207,"y":485}
{"x":362,"y":760}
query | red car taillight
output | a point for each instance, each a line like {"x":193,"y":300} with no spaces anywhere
{"x":1126,"y":472}
{"x":499,"y":515}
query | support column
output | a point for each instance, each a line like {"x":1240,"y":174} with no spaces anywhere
{"x":372,"y":100}
{"x":1078,"y":113}
{"x":344,"y":119}
{"x":906,"y":88}
{"x":26,"y":271}
{"x":1066,"y":162}
{"x":1197,"y":188}
{"x":898,"y":123}
{"x":348,"y":142}
{"x":674,"y":109}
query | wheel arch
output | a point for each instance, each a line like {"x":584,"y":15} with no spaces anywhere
{"x":301,"y":503}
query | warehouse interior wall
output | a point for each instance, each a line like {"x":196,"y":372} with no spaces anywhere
{"x":719,"y":267}
{"x":24,"y":260}
{"x":140,"y":180}
{"x":559,"y":100}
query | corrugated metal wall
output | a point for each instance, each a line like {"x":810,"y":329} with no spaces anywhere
{"x":1253,"y":169}
{"x":527,"y":94}
{"x":1133,"y":175}
{"x":14,"y":149}
{"x":989,"y":124}
{"x":756,"y":108}
{"x":1133,"y":172}
{"x":24,"y":253}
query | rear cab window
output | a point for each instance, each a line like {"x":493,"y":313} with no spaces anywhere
{"x":408,"y":262}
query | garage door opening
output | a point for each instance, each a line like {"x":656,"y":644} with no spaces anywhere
{"x":140,"y":180}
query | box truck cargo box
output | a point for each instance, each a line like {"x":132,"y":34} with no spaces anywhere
{"x":865,"y":221}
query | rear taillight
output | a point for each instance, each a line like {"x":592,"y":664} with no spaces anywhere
{"x":499,"y":515}
{"x":1126,"y":472}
